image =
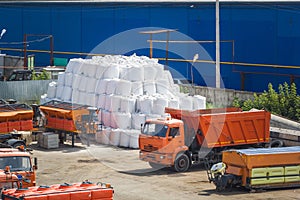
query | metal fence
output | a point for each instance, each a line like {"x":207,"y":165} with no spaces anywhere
{"x":24,"y":91}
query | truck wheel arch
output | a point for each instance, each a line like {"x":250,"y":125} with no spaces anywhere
{"x":15,"y":143}
{"x":182,"y":162}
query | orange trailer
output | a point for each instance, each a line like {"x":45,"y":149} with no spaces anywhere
{"x":187,"y":137}
{"x":69,"y":118}
{"x":15,"y":117}
{"x":84,"y":190}
{"x":258,"y":168}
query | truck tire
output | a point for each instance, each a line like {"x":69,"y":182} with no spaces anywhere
{"x":182,"y":163}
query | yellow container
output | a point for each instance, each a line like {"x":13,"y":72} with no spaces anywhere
{"x":259,"y":176}
{"x":292,"y":170}
{"x":278,"y":172}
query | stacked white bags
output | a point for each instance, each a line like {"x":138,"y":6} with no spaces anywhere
{"x":126,"y":89}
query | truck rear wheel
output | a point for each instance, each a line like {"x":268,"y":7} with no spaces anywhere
{"x":182,"y":163}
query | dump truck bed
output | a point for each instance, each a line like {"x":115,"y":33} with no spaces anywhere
{"x":225,"y":126}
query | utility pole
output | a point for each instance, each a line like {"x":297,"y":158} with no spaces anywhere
{"x":217,"y":44}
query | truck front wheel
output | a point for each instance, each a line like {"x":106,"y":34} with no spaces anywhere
{"x":182,"y":163}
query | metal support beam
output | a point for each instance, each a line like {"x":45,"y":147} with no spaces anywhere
{"x":217,"y":44}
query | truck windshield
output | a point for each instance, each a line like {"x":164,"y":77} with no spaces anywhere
{"x":16,"y":163}
{"x":155,"y":129}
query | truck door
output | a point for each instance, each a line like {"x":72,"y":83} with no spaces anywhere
{"x":174,"y":138}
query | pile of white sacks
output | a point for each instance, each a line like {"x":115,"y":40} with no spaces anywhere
{"x":127,"y":90}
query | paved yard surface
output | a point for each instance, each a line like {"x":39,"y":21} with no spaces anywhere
{"x":132,"y":178}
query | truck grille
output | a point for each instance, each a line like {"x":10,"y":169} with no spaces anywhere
{"x":150,"y":148}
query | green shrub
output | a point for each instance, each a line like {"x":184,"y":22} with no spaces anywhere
{"x":285,"y":102}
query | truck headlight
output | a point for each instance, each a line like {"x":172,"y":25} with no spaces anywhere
{"x":162,"y":157}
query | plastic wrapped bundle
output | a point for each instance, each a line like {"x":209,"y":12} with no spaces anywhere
{"x":123,"y":120}
{"x":91,"y":85}
{"x":82,"y":98}
{"x":162,"y":86}
{"x":61,"y":79}
{"x":173,"y":103}
{"x":159,"y":105}
{"x":75,"y":96}
{"x":159,"y":70}
{"x":128,"y":105}
{"x":100,"y":71}
{"x":114,"y":137}
{"x":167,"y":75}
{"x":74,"y":65}
{"x":134,"y":139}
{"x":108,"y":102}
{"x":51,"y":92}
{"x":83,"y":83}
{"x":137,"y":88}
{"x":90,"y":69}
{"x":199,"y":102}
{"x":137,"y":120}
{"x":76,"y":81}
{"x":106,"y":118}
{"x":59,"y":91}
{"x":111,"y":86}
{"x":69,"y":67}
{"x":68,"y":79}
{"x":101,"y":86}
{"x":90,"y":99}
{"x":113,"y":120}
{"x":115,"y":103}
{"x":99,"y":116}
{"x":146,"y":105}
{"x":149,"y":73}
{"x":134,"y":73}
{"x":111,"y":72}
{"x":66,"y":94}
{"x":149,"y":88}
{"x":101,"y":101}
{"x":105,"y":136}
{"x":186,"y":102}
{"x":124,"y":138}
{"x":123,"y":88}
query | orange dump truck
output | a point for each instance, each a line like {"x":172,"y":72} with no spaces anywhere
{"x":69,"y":118}
{"x":18,"y":162}
{"x":258,"y":168}
{"x":84,"y":191}
{"x":187,"y":137}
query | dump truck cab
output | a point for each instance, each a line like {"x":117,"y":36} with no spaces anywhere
{"x":20,"y":164}
{"x":162,"y":142}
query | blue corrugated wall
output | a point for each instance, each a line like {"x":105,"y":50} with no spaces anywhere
{"x":263,"y":33}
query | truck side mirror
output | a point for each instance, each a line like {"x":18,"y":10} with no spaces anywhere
{"x":35,"y":166}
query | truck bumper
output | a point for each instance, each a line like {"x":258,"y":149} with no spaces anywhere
{"x":159,"y":158}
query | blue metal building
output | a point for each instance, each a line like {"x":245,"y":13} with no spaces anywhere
{"x":260,"y":40}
